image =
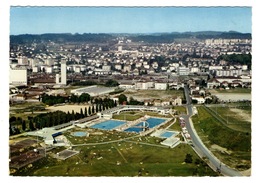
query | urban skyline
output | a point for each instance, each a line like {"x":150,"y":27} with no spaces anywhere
{"x":39,"y":20}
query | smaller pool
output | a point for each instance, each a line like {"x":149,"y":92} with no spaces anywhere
{"x":167,"y":134}
{"x":79,"y":134}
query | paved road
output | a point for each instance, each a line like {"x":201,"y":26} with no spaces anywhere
{"x":200,"y":148}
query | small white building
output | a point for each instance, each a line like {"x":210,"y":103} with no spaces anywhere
{"x":182,"y":71}
{"x":160,"y":86}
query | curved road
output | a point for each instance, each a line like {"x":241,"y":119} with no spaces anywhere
{"x":200,"y":148}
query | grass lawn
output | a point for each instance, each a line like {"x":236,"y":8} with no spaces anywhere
{"x":176,"y":126}
{"x":124,"y":159}
{"x":231,"y":90}
{"x":238,"y":118}
{"x":134,"y":115}
{"x":128,"y":116}
{"x":238,"y":144}
{"x":180,"y":109}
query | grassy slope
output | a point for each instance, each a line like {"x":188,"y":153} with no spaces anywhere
{"x":213,"y":132}
{"x":140,"y":159}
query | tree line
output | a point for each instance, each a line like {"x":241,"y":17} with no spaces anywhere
{"x":52,"y":100}
{"x":50,"y":119}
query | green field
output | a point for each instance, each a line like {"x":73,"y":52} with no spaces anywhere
{"x":129,"y":116}
{"x":119,"y":154}
{"x":122,"y":159}
{"x":134,"y":115}
{"x":180,"y":109}
{"x":236,"y":117}
{"x":236,"y":144}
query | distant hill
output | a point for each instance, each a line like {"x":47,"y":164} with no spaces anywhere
{"x":103,"y":38}
{"x":61,"y":38}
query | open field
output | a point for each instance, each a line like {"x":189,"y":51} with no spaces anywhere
{"x":180,"y":109}
{"x":27,"y":107}
{"x":235,"y":117}
{"x":232,"y":147}
{"x":153,"y":94}
{"x":234,"y":94}
{"x":232,"y":90}
{"x":123,"y":159}
{"x":68,"y":108}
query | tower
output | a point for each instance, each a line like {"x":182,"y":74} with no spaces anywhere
{"x":63,"y":71}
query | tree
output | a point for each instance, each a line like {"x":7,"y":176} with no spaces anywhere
{"x":188,"y":158}
{"x":12,"y":119}
{"x":72,"y":115}
{"x":31,"y":126}
{"x":122,"y":98}
{"x":89,"y":111}
{"x":23,"y":125}
{"x":111,"y":83}
{"x":85,"y":112}
{"x":93,"y":109}
{"x":81,"y":113}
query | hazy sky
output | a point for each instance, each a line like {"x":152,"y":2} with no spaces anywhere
{"x":38,"y":20}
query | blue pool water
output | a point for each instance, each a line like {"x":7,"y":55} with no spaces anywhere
{"x":151,"y":121}
{"x":79,"y":134}
{"x":108,"y":125}
{"x":167,"y":134}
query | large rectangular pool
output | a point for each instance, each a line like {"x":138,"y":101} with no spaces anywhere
{"x":108,"y":125}
{"x":151,"y":122}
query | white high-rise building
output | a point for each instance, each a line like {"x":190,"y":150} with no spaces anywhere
{"x":63,"y":71}
{"x":18,"y":76}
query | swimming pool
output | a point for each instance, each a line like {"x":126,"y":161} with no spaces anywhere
{"x":79,"y":134}
{"x":137,"y":128}
{"x":167,"y":134}
{"x":152,"y":122}
{"x":108,"y":125}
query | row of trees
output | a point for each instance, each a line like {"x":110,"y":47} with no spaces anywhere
{"x":244,"y":59}
{"x":122,"y":99}
{"x":52,"y":100}
{"x":58,"y":117}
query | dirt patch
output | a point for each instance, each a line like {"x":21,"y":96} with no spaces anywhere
{"x":246,"y":172}
{"x":152,"y":94}
{"x":66,"y":108}
{"x":233,"y":96}
{"x":221,"y":149}
{"x":241,"y":114}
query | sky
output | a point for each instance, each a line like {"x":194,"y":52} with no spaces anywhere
{"x":39,"y":20}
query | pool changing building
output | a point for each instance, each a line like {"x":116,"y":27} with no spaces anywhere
{"x":108,"y":114}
